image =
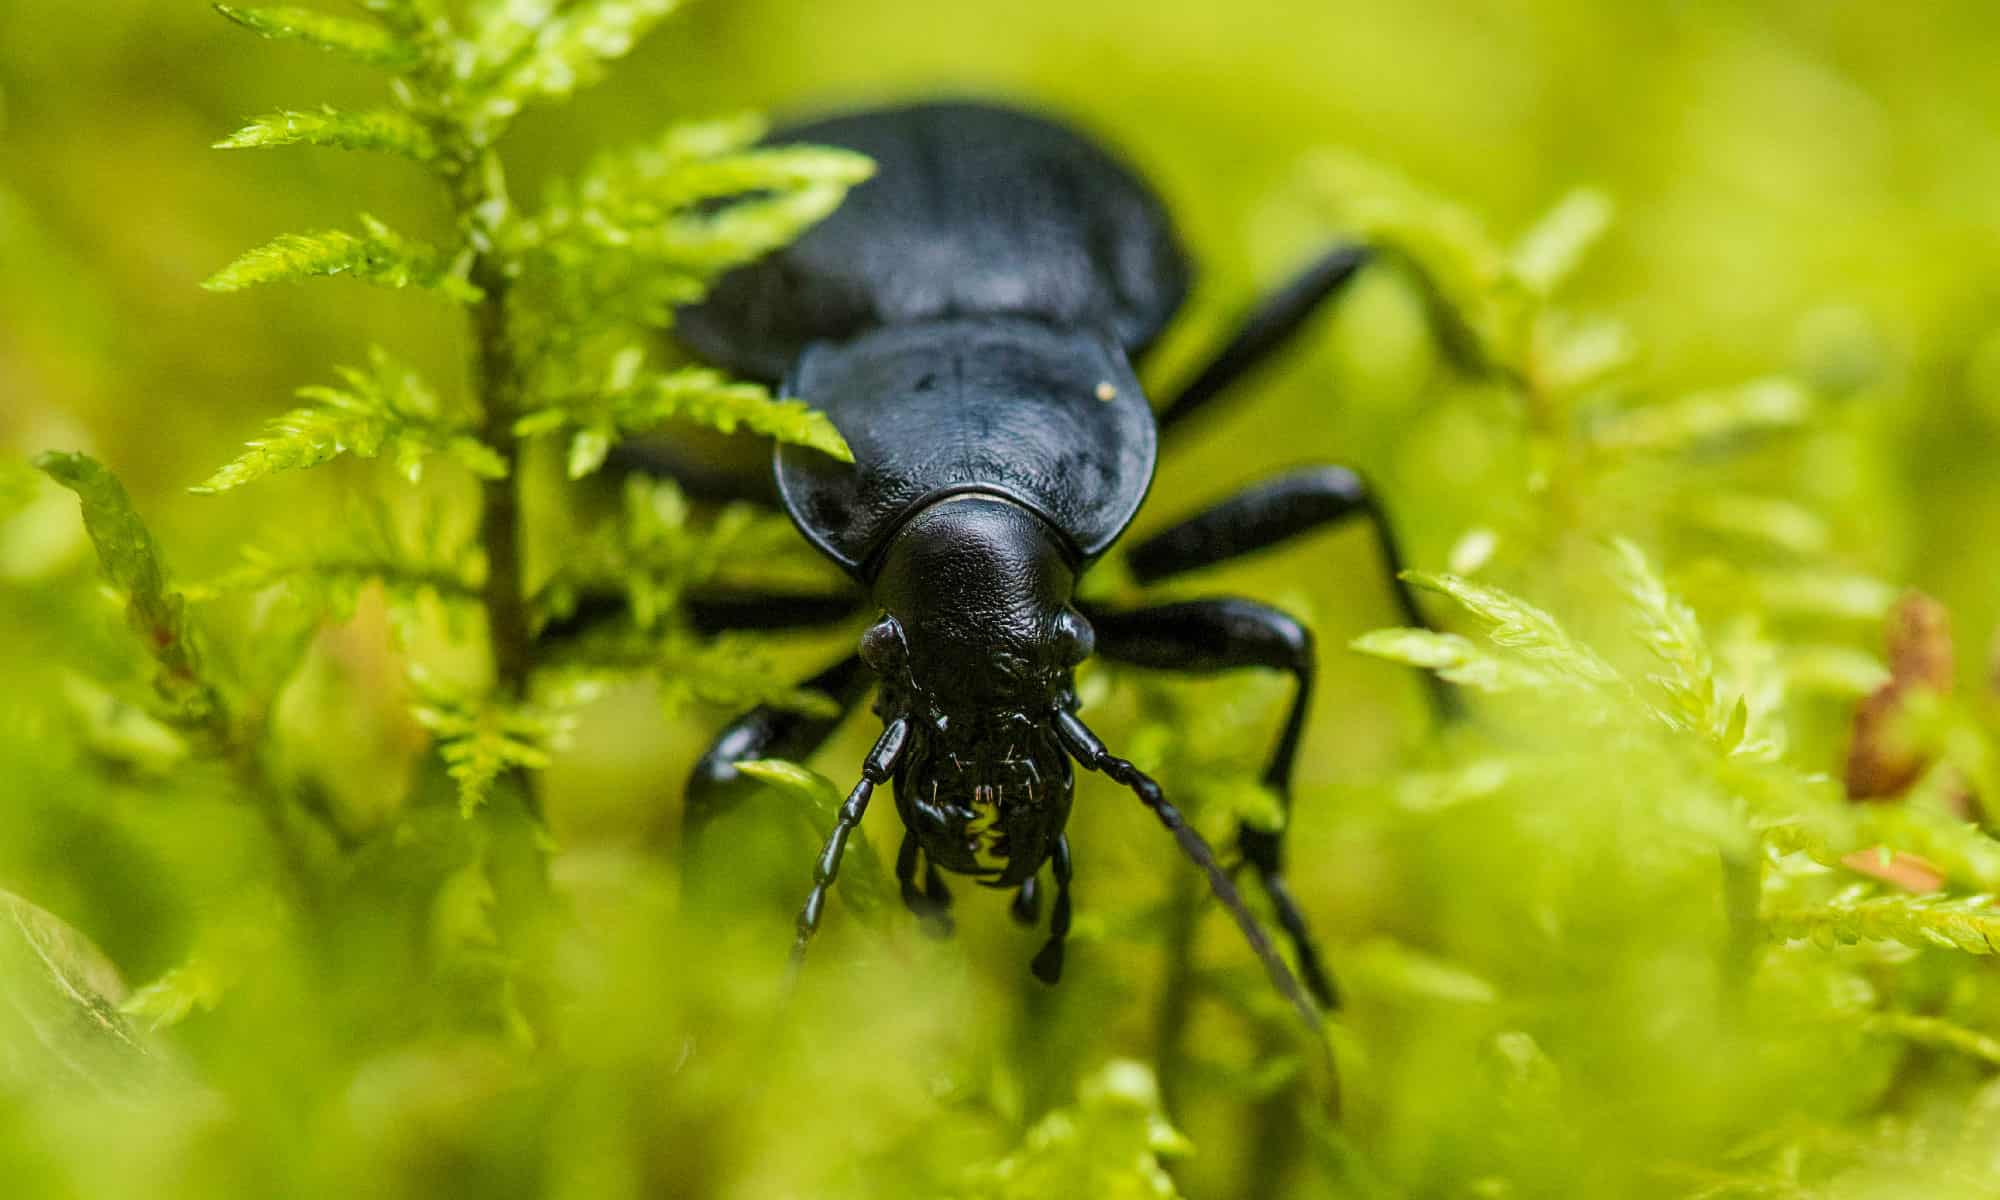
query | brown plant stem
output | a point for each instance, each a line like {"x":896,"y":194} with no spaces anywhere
{"x":479,"y":195}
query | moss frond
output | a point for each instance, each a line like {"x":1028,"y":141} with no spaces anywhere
{"x":695,"y":394}
{"x":481,"y":738}
{"x":385,"y":409}
{"x":419,"y":556}
{"x":1969,"y":923}
{"x":361,"y":41}
{"x":538,"y":51}
{"x":377,"y":255}
{"x":387,"y":130}
{"x":131,"y":560}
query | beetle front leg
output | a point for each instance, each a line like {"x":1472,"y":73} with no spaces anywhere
{"x":1207,"y":636}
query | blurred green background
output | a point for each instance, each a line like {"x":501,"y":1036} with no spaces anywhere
{"x":1801,"y":188}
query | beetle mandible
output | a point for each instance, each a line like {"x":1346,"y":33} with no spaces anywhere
{"x":969,"y":319}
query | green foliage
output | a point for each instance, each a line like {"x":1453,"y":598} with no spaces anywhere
{"x":1966,"y":924}
{"x":419,"y":558}
{"x":560,"y":48}
{"x":636,"y":233}
{"x":156,"y":613}
{"x":629,"y":406}
{"x":730,"y":672}
{"x":1109,"y":1144}
{"x":383,"y":129}
{"x":377,"y":255}
{"x":386,"y":409}
{"x":1663,"y":463}
{"x":481,"y":739}
{"x":361,"y":41}
{"x":657,"y":552}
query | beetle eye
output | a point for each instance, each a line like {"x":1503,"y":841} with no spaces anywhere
{"x":1075,"y":639}
{"x":882,"y":646}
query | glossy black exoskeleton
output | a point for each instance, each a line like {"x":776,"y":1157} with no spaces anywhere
{"x":968,"y":319}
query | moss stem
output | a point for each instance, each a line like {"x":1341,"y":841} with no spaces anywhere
{"x":479,"y":195}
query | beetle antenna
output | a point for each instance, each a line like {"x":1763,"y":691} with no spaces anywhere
{"x":875,"y":770}
{"x":1088,"y":750}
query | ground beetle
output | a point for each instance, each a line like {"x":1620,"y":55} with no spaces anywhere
{"x":968,"y":319}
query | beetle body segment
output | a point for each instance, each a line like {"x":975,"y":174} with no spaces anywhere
{"x":1000,"y":405}
{"x":974,"y":210}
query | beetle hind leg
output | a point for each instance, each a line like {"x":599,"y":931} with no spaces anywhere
{"x":1228,"y":634}
{"x":1263,"y":851}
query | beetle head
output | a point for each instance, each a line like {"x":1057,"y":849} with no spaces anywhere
{"x":977,"y":648}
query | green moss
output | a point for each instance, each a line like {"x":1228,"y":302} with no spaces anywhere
{"x":1679,"y":368}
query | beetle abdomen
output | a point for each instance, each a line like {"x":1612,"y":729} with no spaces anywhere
{"x":973,"y":210}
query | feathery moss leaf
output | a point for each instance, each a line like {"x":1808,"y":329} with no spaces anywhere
{"x":654,"y":554}
{"x":1549,"y":252}
{"x":377,"y":255}
{"x":1455,"y":659}
{"x":387,"y":408}
{"x":129,"y":556}
{"x":384,"y":129}
{"x":1967,"y":923}
{"x":1521,"y":627}
{"x":637,"y":232}
{"x":1707,"y":417}
{"x":481,"y":738}
{"x":1692,"y":696}
{"x":727,"y":672}
{"x":1937,"y":1032}
{"x":418,"y":555}
{"x":362,"y":41}
{"x":569,"y":49}
{"x":696,"y":394}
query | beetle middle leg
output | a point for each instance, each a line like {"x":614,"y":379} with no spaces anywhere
{"x":1286,"y":506}
{"x":1225,"y":634}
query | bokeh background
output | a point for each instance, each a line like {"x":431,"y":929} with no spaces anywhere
{"x":1802,"y":189}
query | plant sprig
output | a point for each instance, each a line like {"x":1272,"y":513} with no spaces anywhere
{"x":563,"y":304}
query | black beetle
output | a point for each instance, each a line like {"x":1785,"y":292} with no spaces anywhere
{"x":968,"y":320}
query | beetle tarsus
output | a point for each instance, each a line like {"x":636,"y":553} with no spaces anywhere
{"x":1048,"y":962}
{"x":931,"y":903}
{"x":1027,"y":906}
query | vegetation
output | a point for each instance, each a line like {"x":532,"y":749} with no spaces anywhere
{"x":323,"y":876}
